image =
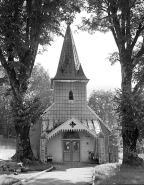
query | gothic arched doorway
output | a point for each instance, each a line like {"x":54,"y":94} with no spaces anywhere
{"x":71,"y":147}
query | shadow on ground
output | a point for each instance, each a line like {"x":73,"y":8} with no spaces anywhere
{"x":66,"y":166}
{"x":123,"y":174}
{"x":69,"y":176}
{"x":54,"y":181}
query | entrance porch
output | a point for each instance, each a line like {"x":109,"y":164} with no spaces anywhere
{"x":70,"y":147}
{"x":73,"y":142}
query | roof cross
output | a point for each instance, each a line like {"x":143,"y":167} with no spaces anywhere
{"x":72,"y":124}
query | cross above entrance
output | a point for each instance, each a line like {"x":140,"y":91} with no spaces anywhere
{"x":72,"y":124}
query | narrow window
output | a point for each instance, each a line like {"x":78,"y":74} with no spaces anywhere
{"x":71,"y":95}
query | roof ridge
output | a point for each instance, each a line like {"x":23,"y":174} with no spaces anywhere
{"x":69,"y":66}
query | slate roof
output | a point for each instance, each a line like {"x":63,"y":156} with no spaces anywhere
{"x":69,"y":67}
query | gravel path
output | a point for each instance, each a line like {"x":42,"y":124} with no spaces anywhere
{"x":66,"y":174}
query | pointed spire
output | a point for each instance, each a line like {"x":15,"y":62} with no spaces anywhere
{"x":69,"y":67}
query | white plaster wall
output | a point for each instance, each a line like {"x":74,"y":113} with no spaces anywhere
{"x":54,"y":148}
{"x":84,"y":147}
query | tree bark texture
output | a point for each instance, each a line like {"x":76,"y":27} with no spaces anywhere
{"x":22,"y":130}
{"x":21,"y":121}
{"x":130,"y":132}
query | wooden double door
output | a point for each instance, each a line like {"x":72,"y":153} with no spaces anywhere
{"x":71,"y":150}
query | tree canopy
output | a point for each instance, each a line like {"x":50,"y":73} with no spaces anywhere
{"x":24,"y":25}
{"x":40,"y":85}
{"x":105,"y":106}
{"x":125,"y":20}
{"x":102,"y":102}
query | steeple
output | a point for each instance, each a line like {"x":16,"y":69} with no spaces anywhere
{"x":69,"y":67}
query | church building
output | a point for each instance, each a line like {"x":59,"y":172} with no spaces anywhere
{"x":70,"y":130}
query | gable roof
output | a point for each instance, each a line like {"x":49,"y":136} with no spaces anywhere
{"x":70,"y":125}
{"x":92,"y":111}
{"x":69,"y":67}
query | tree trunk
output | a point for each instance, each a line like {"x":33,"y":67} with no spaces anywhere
{"x":22,"y":126}
{"x":130,"y":131}
{"x":23,"y":148}
{"x":25,"y":144}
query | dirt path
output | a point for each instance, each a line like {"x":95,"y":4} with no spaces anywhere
{"x":66,"y":176}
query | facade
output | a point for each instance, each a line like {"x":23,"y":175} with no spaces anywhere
{"x":71,"y":131}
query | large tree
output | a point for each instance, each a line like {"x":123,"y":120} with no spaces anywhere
{"x":6,"y":126}
{"x":104,"y":105}
{"x":40,"y":84}
{"x":6,"y":119}
{"x":24,"y":25}
{"x":125,"y":20}
{"x":102,"y":102}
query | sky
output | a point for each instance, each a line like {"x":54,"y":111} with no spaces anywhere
{"x":93,"y":51}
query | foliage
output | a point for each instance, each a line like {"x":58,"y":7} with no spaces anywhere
{"x":25,"y":115}
{"x":36,"y":100}
{"x":40,"y":85}
{"x":24,"y":25}
{"x":114,"y":57}
{"x":105,"y":106}
{"x":125,"y":19}
{"x":102,"y":103}
{"x":6,"y":180}
{"x":6,"y":119}
{"x":121,"y":174}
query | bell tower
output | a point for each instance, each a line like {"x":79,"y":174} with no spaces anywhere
{"x":70,"y":81}
{"x":70,"y":128}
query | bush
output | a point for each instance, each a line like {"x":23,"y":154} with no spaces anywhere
{"x":4,"y":180}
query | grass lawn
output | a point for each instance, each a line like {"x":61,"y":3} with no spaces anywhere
{"x":110,"y":173}
{"x":115,"y":173}
{"x":8,"y":178}
{"x":7,"y":150}
{"x":5,"y":180}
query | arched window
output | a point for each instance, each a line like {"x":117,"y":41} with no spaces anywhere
{"x":71,"y":135}
{"x":71,"y":95}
